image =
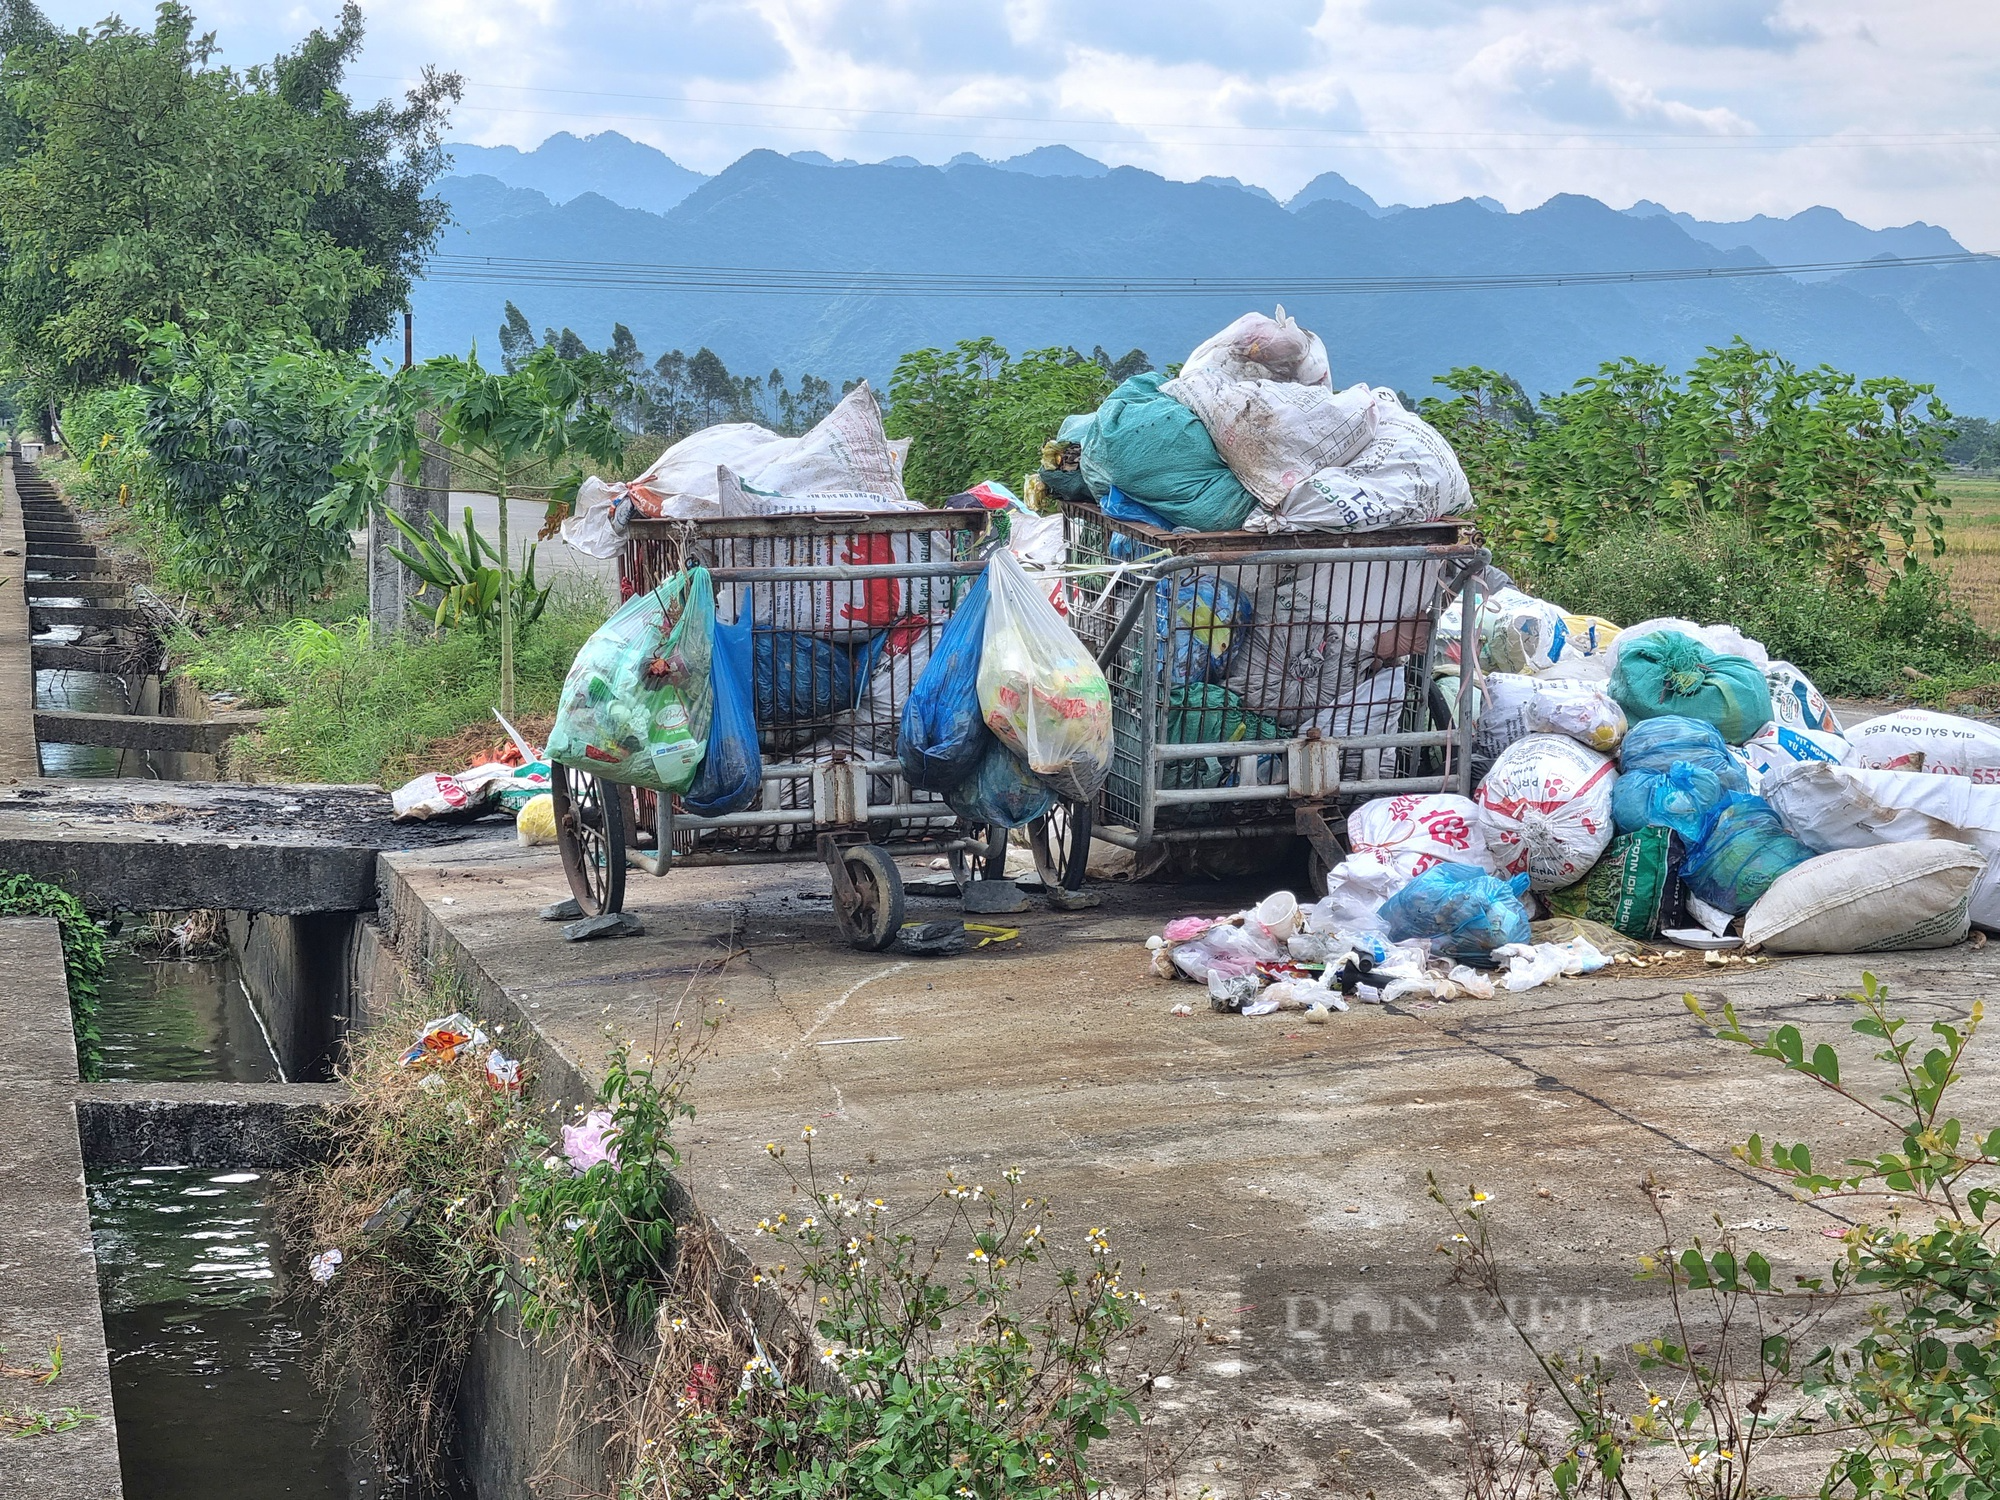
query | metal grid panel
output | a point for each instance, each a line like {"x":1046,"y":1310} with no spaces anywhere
{"x":844,"y":612}
{"x":1211,"y":651}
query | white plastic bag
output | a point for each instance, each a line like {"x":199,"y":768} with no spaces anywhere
{"x":1581,"y":710}
{"x":1355,"y":891}
{"x":1040,"y":690}
{"x":1916,"y":739}
{"x":1256,"y":347}
{"x":1547,"y":810}
{"x":847,"y":453}
{"x":1226,"y":945}
{"x":1405,"y":476}
{"x":1273,"y":434}
{"x":1830,"y":807}
{"x":1408,"y":834}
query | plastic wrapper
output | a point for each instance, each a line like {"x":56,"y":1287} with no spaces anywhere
{"x":943,"y":732}
{"x":1781,"y":745}
{"x":635,"y":705}
{"x":1040,"y":689}
{"x":1669,"y":673}
{"x":1201,"y":625}
{"x":1464,"y":912}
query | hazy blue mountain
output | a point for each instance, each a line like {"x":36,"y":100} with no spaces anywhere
{"x":1813,"y":236}
{"x":1940,"y":325}
{"x":481,"y":200}
{"x":566,"y":166}
{"x":1331,"y":187}
{"x":1242,"y":187}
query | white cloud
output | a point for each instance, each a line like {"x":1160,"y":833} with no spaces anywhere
{"x":1558,"y":82}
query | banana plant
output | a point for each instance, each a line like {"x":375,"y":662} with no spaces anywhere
{"x":466,"y":573}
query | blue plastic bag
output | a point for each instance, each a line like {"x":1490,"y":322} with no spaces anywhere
{"x":1003,"y":792}
{"x":1744,"y":849}
{"x":1122,"y":507}
{"x":1463,"y":910}
{"x":732,"y":772}
{"x":800,"y":676}
{"x":1655,"y":744}
{"x":1683,"y":797}
{"x":943,"y":733}
{"x":1201,"y":626}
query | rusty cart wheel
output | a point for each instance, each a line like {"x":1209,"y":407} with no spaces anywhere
{"x":590,"y":831}
{"x":1061,"y":845}
{"x":870,"y":908}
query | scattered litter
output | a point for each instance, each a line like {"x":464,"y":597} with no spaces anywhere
{"x":439,"y":1041}
{"x":1700,"y":938}
{"x":324,"y":1265}
{"x":991,"y":934}
{"x":501,"y":1071}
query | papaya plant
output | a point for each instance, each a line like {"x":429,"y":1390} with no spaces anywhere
{"x":466,"y":574}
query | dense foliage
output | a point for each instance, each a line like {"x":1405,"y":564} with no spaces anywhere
{"x":1816,"y":461}
{"x":242,"y":447}
{"x":974,"y":413}
{"x":1974,"y":444}
{"x":519,"y":436}
{"x":240,"y":205}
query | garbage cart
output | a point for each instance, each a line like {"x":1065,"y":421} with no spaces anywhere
{"x":843,"y":612}
{"x":1263,"y":684}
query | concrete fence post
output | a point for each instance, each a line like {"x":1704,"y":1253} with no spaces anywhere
{"x":393,"y":588}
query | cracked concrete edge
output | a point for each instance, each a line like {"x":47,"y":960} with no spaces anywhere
{"x":20,"y":756}
{"x":258,"y":1125}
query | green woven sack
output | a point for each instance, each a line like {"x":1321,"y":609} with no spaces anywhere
{"x":1157,"y":451}
{"x":1633,"y":888}
{"x":1667,"y":673}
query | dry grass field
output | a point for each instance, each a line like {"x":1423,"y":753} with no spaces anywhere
{"x":1972,"y":544}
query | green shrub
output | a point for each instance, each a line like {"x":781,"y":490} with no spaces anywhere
{"x":83,"y":957}
{"x":1850,"y":639}
{"x":353,"y":710}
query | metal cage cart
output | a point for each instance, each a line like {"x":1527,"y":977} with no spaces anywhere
{"x":1260,"y":684}
{"x":844,"y":611}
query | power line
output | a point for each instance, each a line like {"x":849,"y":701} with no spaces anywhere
{"x":774,"y":281}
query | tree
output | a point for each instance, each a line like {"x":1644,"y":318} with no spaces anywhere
{"x":242,"y":444}
{"x":517,"y":435}
{"x":974,"y":413}
{"x":149,"y":186}
{"x":517,"y":339}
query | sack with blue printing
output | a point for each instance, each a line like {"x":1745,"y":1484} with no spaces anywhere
{"x":1796,"y":703}
{"x":1782,"y":745}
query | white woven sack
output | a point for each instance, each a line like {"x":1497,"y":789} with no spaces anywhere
{"x":1916,"y":739}
{"x":1546,"y":805}
{"x":1275,"y":434}
{"x":1880,"y":900}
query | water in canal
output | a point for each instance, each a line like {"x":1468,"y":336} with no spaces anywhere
{"x":82,"y":692}
{"x":209,"y":1372}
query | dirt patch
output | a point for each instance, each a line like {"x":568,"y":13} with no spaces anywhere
{"x":472,"y":746}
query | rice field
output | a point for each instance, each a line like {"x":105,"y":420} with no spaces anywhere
{"x":1972,"y":544}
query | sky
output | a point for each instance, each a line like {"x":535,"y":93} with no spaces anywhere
{"x":1722,"y":108}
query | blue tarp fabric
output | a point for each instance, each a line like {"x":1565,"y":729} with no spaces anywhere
{"x":943,"y":733}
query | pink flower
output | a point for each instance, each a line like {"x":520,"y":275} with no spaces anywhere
{"x":591,"y":1142}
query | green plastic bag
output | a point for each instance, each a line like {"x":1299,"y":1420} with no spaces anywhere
{"x":636,"y":703}
{"x":1667,"y":673}
{"x":1635,"y":887}
{"x":1204,"y":713}
{"x":1157,"y":451}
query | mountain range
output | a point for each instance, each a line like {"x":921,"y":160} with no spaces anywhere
{"x":1054,"y":212}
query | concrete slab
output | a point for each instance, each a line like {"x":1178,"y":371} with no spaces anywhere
{"x":231,"y":1125}
{"x":1259,"y":1166}
{"x":144,"y":732}
{"x":46,"y":1264}
{"x":19,"y":756}
{"x":176,"y":846}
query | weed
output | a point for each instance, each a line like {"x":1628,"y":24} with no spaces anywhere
{"x":406,"y":1189}
{"x":33,"y":1421}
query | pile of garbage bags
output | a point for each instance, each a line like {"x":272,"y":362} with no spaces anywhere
{"x":1251,"y":436}
{"x":1667,"y":784}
